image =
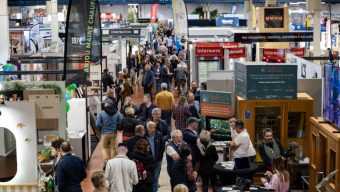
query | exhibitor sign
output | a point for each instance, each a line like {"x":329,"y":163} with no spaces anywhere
{"x":209,"y":51}
{"x":273,"y":37}
{"x":216,"y":104}
{"x":124,"y":32}
{"x":227,"y":21}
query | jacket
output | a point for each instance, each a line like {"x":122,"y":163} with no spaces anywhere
{"x":191,"y":139}
{"x":128,"y":125}
{"x":208,"y":157}
{"x":121,"y":173}
{"x":267,"y":161}
{"x":147,"y":161}
{"x":131,"y":143}
{"x":108,"y":121}
{"x":70,"y":172}
{"x":145,"y":112}
{"x":162,"y":128}
{"x":158,"y":145}
{"x":181,"y":176}
{"x":148,"y":79}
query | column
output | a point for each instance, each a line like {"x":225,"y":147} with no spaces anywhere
{"x":315,"y":6}
{"x":54,"y":21}
{"x":4,"y":28}
{"x":123,"y":52}
{"x":248,"y":13}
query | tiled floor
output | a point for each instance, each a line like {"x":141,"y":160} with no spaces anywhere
{"x":96,"y":161}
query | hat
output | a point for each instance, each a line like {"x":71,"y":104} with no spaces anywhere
{"x":193,"y":119}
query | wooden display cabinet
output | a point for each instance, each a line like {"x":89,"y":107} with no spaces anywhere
{"x":288,"y":119}
{"x":325,"y":154}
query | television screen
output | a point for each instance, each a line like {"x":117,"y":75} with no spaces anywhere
{"x":331,"y":101}
{"x":222,"y":130}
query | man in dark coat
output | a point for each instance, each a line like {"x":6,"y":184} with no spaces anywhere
{"x":148,"y":80}
{"x":139,"y":134}
{"x":155,"y":140}
{"x":70,"y":171}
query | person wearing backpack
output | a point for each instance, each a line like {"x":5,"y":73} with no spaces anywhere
{"x":184,"y":171}
{"x":141,"y":155}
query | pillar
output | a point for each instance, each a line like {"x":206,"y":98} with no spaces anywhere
{"x":4,"y":28}
{"x":248,"y":13}
{"x":315,"y":6}
{"x":123,"y":52}
{"x":54,"y":21}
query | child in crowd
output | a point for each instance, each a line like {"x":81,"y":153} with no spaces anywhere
{"x":99,"y":182}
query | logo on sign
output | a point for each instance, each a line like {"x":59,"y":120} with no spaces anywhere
{"x":228,"y":21}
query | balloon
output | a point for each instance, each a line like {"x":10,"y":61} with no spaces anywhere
{"x":72,"y":87}
{"x":67,"y":107}
{"x":67,"y":97}
{"x":10,"y":65}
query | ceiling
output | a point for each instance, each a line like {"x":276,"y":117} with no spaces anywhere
{"x":107,"y":2}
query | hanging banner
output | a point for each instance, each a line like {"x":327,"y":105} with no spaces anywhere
{"x":154,"y":11}
{"x":83,"y":37}
{"x":273,"y":37}
{"x":209,"y":52}
{"x":180,"y":18}
{"x":300,"y":52}
{"x":274,"y":55}
{"x":237,"y":52}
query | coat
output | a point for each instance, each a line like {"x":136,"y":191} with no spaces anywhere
{"x":148,"y":79}
{"x":181,"y":176}
{"x":159,"y":145}
{"x":70,"y":172}
{"x":146,"y":113}
{"x":208,"y":158}
{"x":149,"y":165}
{"x":121,"y":172}
{"x":108,"y":121}
{"x":191,"y":139}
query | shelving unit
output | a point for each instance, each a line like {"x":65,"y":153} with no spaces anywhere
{"x":325,"y":154}
{"x":287,"y":118}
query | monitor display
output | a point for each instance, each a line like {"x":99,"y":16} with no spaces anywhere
{"x":221,"y":127}
{"x":331,"y":98}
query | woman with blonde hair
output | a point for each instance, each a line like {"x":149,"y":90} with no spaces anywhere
{"x":208,"y":158}
{"x":181,"y":188}
{"x":279,"y":179}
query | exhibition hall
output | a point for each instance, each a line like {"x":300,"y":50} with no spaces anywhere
{"x":169,"y":95}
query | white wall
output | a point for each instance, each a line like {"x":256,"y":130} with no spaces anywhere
{"x":122,"y":9}
{"x":26,"y":140}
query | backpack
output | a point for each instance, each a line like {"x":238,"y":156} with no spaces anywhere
{"x":190,"y":171}
{"x":141,"y":171}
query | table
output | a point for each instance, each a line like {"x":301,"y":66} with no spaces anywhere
{"x":228,"y":177}
{"x":234,"y":188}
{"x":225,"y":147}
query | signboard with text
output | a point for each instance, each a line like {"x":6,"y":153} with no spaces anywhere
{"x":299,"y":52}
{"x":266,"y":81}
{"x":216,"y":104}
{"x":273,"y":37}
{"x":227,"y":21}
{"x":237,"y":52}
{"x":209,"y":51}
{"x":305,"y":69}
{"x":124,"y":32}
{"x":274,"y":18}
{"x":274,"y":55}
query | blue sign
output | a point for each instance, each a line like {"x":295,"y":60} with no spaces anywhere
{"x":227,"y":21}
{"x":247,"y":114}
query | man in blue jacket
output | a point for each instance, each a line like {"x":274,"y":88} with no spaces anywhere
{"x":108,"y":122}
{"x":190,"y":136}
{"x":155,"y":140}
{"x":70,"y":170}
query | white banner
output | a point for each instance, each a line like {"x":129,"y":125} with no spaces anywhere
{"x":180,"y":18}
{"x":306,"y":69}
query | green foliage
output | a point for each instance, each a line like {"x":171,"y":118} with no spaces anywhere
{"x":56,"y":88}
{"x":199,"y":11}
{"x":18,"y":87}
{"x":213,"y":14}
{"x":131,"y":17}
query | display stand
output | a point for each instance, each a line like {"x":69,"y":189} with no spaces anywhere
{"x":325,"y":154}
{"x":287,"y":118}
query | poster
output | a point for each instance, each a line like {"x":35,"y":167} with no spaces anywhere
{"x":274,"y":18}
{"x":180,"y":18}
{"x":216,"y":104}
{"x":266,"y":81}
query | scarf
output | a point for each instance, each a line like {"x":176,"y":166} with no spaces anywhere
{"x":202,"y":148}
{"x":272,"y":152}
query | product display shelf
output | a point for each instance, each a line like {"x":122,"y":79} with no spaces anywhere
{"x":287,"y":118}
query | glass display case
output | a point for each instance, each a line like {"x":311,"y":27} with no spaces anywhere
{"x":267,"y":117}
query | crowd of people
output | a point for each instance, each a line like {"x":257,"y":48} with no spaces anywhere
{"x":135,"y":138}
